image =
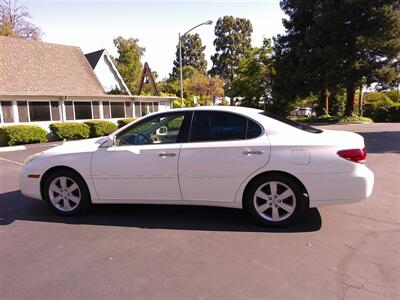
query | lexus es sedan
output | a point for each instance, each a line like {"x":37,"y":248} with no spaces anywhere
{"x":237,"y":157}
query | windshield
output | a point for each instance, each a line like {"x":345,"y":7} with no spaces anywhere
{"x":292,"y":123}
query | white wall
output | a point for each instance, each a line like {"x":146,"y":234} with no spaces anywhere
{"x":106,"y":75}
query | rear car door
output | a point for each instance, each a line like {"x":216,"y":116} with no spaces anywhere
{"x":222,"y":151}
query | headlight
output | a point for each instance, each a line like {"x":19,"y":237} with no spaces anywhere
{"x":32,"y":157}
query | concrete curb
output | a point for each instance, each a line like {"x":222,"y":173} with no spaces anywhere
{"x":12,"y":148}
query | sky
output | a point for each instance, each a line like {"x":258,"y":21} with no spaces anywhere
{"x":93,"y":24}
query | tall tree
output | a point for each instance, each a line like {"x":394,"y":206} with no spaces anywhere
{"x":254,"y":75}
{"x":336,"y":43}
{"x":369,"y":44}
{"x":128,"y":61}
{"x":232,"y":42}
{"x":14,"y":21}
{"x":192,"y":55}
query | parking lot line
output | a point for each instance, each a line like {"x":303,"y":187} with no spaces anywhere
{"x":11,"y":161}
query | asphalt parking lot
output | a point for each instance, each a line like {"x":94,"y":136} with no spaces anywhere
{"x":179,"y":252}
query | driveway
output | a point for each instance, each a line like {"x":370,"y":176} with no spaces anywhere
{"x":179,"y":252}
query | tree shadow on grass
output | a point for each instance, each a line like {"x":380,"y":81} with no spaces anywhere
{"x":174,"y":217}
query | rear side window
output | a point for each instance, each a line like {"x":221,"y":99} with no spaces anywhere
{"x":222,"y":126}
{"x":253,"y":130}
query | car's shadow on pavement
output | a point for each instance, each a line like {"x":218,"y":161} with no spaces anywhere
{"x":14,"y":207}
{"x":382,"y":142}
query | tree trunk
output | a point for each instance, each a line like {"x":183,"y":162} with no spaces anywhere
{"x":327,"y":94}
{"x":350,"y":92}
{"x":360,"y":100}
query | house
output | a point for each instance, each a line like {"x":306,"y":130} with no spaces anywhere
{"x":41,"y":83}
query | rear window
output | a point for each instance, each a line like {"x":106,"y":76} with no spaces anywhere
{"x":292,"y":123}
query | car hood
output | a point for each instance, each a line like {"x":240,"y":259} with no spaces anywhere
{"x":81,"y":146}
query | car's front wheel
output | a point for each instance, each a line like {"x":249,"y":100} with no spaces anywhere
{"x":275,"y":200}
{"x":66,"y":192}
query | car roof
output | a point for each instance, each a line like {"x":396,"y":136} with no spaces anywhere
{"x":235,"y":109}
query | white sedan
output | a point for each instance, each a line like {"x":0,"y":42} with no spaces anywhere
{"x":235,"y":157}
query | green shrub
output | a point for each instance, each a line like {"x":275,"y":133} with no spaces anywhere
{"x":100,"y":127}
{"x":70,"y":130}
{"x":387,"y":113}
{"x":22,"y":134}
{"x":377,"y":99}
{"x":123,"y":122}
{"x":334,"y":119}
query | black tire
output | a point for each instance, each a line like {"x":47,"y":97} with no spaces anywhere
{"x":300,"y":202}
{"x":83,"y":192}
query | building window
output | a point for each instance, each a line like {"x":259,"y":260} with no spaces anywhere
{"x":137,"y":110}
{"x":96,"y":110}
{"x":23,"y":111}
{"x":106,"y":109}
{"x":155,"y":106}
{"x":6,"y":109}
{"x":39,"y":111}
{"x":55,"y":110}
{"x":117,"y":109}
{"x":147,"y":108}
{"x":69,"y":110}
{"x":83,"y":110}
{"x":128,"y":109}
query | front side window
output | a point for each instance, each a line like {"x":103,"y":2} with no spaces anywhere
{"x":217,"y":126}
{"x":164,"y":129}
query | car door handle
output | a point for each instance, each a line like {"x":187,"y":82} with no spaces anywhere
{"x":253,"y":152}
{"x":167,"y":154}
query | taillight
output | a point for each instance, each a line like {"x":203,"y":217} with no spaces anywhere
{"x":356,"y":155}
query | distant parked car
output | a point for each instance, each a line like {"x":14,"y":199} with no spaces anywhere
{"x":220,"y":156}
{"x":302,"y":111}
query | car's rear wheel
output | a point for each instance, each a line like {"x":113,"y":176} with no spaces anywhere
{"x":66,"y":192}
{"x":275,"y":200}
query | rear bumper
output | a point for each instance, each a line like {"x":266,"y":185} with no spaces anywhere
{"x":339,"y":188}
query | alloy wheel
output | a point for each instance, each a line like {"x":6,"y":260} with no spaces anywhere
{"x":64,"y":193}
{"x":274,"y":201}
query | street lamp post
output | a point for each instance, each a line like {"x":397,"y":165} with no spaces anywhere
{"x":209,"y":22}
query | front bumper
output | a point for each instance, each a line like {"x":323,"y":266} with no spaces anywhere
{"x":30,"y":187}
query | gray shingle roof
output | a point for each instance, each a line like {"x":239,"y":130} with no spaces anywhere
{"x":38,"y":68}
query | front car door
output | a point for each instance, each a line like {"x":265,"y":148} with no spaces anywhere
{"x":223,"y":150}
{"x":142,"y":165}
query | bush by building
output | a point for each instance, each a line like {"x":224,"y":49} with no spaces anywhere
{"x":123,"y":122}
{"x":70,"y":130}
{"x":100,"y":127}
{"x":22,"y":134}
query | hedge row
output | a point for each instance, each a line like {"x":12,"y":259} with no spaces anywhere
{"x":28,"y":134}
{"x":387,"y":113}
{"x":100,"y":128}
{"x":22,"y":134}
{"x":69,"y":131}
{"x":126,"y":121}
{"x":76,"y":130}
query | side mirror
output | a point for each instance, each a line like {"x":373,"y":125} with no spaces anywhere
{"x":109,"y":142}
{"x":163,"y":130}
